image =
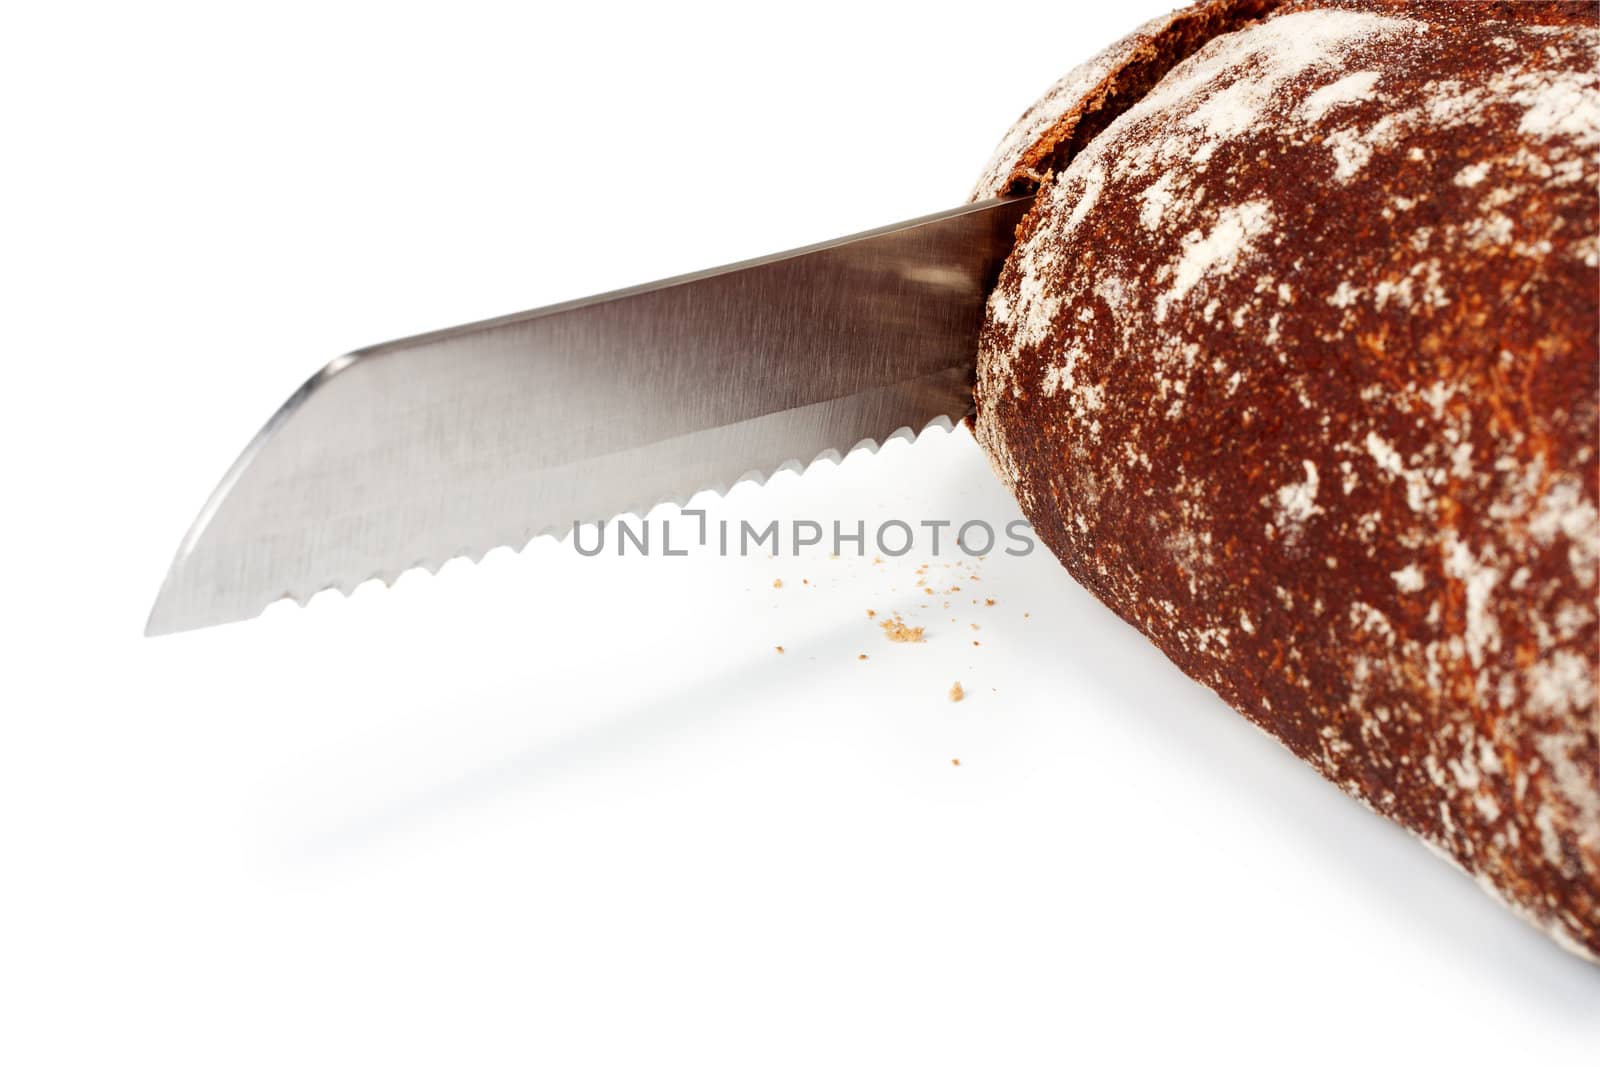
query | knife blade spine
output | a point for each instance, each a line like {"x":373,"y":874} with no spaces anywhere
{"x":638,"y":289}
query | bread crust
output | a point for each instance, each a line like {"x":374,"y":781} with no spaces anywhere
{"x":1087,"y":98}
{"x":1295,"y":367}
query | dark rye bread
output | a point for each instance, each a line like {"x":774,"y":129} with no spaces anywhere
{"x":1295,"y":367}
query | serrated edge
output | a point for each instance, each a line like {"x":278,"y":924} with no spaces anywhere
{"x":474,"y":556}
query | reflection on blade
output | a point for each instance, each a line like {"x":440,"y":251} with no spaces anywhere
{"x":449,"y":444}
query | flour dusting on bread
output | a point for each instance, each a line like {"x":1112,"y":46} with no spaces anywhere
{"x":1295,"y":366}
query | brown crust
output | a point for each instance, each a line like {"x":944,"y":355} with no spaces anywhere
{"x":1086,"y":100}
{"x":1295,"y":366}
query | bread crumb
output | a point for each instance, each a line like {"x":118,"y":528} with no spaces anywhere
{"x":805,"y":581}
{"x":896,"y":630}
{"x":777,"y":583}
{"x":877,"y":559}
{"x":974,"y":644}
{"x":871,"y":613}
{"x":862,"y":656}
{"x":988,"y":602}
{"x":955,"y":763}
{"x":956,"y":692}
{"x":779,"y":648}
{"x":973,"y":625}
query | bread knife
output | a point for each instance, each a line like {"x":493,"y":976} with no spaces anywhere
{"x":448,"y":444}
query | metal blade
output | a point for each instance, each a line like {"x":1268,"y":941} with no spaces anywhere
{"x":449,"y":444}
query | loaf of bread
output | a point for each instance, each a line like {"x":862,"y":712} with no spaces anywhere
{"x":1295,"y":366}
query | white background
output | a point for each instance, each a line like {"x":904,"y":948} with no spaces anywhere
{"x":560,"y":810}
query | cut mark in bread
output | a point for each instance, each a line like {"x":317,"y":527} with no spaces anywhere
{"x":1128,"y":81}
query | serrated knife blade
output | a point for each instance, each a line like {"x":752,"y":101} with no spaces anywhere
{"x":414,"y":452}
